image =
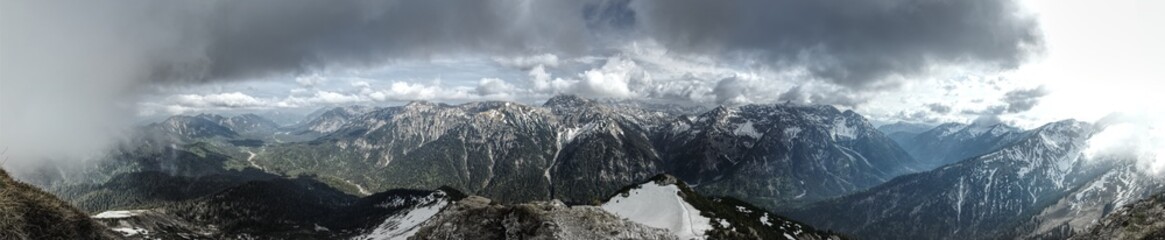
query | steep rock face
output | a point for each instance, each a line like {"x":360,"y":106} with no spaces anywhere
{"x":952,"y":142}
{"x":782,"y":154}
{"x":601,"y":147}
{"x":330,"y":119}
{"x":989,"y":196}
{"x":1144,"y":219}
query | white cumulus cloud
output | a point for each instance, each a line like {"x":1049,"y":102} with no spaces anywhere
{"x":494,"y":87}
{"x":226,"y":100}
{"x":613,"y":79}
{"x":1131,"y":137}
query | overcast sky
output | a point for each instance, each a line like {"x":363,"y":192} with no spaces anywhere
{"x":81,"y":70}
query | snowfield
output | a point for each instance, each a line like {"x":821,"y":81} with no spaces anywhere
{"x":130,"y":231}
{"x":660,"y":206}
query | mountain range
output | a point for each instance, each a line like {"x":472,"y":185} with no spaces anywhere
{"x":578,"y":150}
{"x":513,"y":169}
{"x":951,"y":142}
{"x":1040,"y":186}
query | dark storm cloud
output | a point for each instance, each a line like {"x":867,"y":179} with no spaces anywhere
{"x":83,"y":64}
{"x":1024,"y":99}
{"x":73,"y":70}
{"x":805,"y":96}
{"x":613,"y":14}
{"x":992,"y":110}
{"x":729,"y":90}
{"x":939,"y":108}
{"x":916,"y":116}
{"x":249,"y":39}
{"x":853,"y":43}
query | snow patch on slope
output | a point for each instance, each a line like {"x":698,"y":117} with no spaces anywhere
{"x":660,"y":206}
{"x":119,"y":214}
{"x":977,"y":130}
{"x":746,"y":129}
{"x":404,"y":225}
{"x":843,"y":131}
{"x":130,"y":231}
{"x":569,"y":134}
{"x":792,"y":132}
